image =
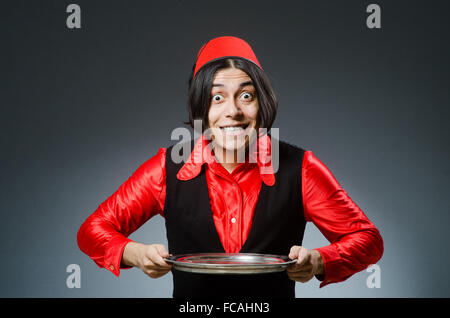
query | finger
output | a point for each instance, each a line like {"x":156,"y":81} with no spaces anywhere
{"x":293,"y":254}
{"x":296,"y":268}
{"x":302,"y":279}
{"x":156,"y":273}
{"x":303,"y":257}
{"x":157,"y":259}
{"x":300,"y":274}
{"x":160,"y":270}
{"x":162,"y":250}
{"x":161,"y":254}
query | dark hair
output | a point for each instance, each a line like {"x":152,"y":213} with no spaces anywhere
{"x":199,"y":99}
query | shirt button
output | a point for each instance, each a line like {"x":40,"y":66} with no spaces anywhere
{"x":233,"y":220}
{"x":111,"y":267}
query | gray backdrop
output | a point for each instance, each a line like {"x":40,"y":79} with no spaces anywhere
{"x":81,"y":109}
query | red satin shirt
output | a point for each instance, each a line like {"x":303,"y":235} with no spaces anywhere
{"x":355,"y":241}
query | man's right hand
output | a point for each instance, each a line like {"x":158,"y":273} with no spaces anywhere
{"x":149,"y":258}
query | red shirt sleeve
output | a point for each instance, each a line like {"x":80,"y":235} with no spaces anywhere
{"x":355,"y":241}
{"x":104,"y":234}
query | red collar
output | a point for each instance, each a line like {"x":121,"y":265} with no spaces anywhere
{"x":260,"y":153}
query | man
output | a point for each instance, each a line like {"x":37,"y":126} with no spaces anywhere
{"x":214,"y":202}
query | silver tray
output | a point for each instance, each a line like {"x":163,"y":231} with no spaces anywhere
{"x":229,"y":263}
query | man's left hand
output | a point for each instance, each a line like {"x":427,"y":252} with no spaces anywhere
{"x":309,"y":263}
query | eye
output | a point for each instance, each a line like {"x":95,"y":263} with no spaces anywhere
{"x":247,"y":96}
{"x":217,"y":98}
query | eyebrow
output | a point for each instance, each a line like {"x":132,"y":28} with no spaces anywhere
{"x":240,"y":85}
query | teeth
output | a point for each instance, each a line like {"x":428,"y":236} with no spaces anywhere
{"x":232,"y":128}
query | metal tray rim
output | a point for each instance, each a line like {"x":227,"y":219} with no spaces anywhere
{"x":173,"y":260}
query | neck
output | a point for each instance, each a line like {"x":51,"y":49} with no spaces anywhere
{"x":229,"y":159}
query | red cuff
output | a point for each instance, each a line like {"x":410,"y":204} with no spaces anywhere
{"x":113,"y":254}
{"x":332,"y":263}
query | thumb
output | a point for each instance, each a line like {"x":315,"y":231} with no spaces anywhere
{"x":293,"y":254}
{"x":161,"y":249}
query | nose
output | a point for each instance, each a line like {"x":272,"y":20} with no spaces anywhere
{"x":232,"y":109}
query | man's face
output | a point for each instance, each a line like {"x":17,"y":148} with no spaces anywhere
{"x":233,"y":114}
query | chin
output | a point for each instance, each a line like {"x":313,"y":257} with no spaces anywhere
{"x":232,"y":143}
{"x":233,"y":146}
{"x":229,"y":144}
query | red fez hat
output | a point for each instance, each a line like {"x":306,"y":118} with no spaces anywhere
{"x":224,"y":46}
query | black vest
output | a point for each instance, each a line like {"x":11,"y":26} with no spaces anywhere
{"x":278,"y":224}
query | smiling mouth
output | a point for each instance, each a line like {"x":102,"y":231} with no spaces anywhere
{"x":234,"y":128}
